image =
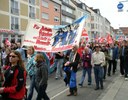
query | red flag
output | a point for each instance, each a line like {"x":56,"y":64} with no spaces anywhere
{"x":101,"y":40}
{"x":109,"y":39}
{"x":85,"y":35}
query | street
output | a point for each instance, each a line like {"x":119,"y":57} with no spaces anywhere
{"x":58,"y":91}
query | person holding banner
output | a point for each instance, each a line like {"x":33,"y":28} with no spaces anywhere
{"x":59,"y":57}
{"x":72,"y":64}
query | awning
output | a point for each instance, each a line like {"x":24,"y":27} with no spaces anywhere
{"x":11,"y":31}
{"x":6,"y":31}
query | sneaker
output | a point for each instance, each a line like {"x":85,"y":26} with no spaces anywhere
{"x":102,"y":87}
{"x":126,"y":79}
{"x":56,"y":78}
{"x":89,"y":83}
{"x":80,"y":84}
{"x":97,"y":88}
{"x":75,"y":93}
{"x":109,"y":74}
{"x":70,"y":94}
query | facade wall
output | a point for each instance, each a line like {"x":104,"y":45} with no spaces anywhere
{"x":24,"y":23}
{"x":38,"y":2}
{"x":37,"y":14}
{"x":23,"y":9}
{"x":4,"y":5}
{"x":4,"y":21}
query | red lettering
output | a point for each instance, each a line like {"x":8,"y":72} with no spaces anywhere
{"x":36,"y":26}
{"x":42,"y":42}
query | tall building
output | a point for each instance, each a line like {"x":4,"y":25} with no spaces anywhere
{"x":15,"y":15}
{"x":68,"y":12}
{"x":50,"y":12}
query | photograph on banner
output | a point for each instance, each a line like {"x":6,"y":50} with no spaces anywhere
{"x":50,"y":38}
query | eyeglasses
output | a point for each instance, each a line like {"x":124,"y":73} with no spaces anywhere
{"x":12,"y":56}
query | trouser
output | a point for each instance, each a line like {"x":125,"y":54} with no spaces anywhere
{"x":122,"y":67}
{"x":72,"y":83}
{"x":105,"y":70}
{"x":88,"y":70}
{"x":98,"y":72}
{"x":126,"y":69}
{"x":42,"y":93}
{"x":59,"y":67}
{"x":32,"y":86}
{"x":111,"y":62}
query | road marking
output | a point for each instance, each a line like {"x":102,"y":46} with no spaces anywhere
{"x":59,"y":94}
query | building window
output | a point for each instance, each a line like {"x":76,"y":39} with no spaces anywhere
{"x":67,"y":9}
{"x":92,"y":18}
{"x":92,"y":26}
{"x":31,"y":12}
{"x":56,"y":7}
{"x":32,"y":2}
{"x":67,"y":19}
{"x":12,"y":36}
{"x":14,"y":23}
{"x":45,"y":16}
{"x":14,"y":7}
{"x":66,"y":1}
{"x":56,"y":19}
{"x":44,"y":3}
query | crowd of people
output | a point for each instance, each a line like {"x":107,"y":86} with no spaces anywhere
{"x":17,"y":64}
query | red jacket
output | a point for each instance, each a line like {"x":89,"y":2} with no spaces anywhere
{"x":16,"y":89}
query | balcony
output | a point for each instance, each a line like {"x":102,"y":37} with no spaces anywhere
{"x":15,"y":11}
{"x":32,"y":15}
{"x":68,"y":14}
{"x":14,"y":27}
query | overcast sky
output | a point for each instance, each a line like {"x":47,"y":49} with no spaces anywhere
{"x":108,"y":9}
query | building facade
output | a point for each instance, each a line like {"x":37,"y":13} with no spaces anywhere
{"x":50,"y":12}
{"x":14,"y":17}
{"x":67,"y":12}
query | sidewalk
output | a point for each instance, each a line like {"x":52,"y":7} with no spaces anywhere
{"x":118,"y":90}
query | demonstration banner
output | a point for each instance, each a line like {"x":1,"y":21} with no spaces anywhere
{"x":49,"y":38}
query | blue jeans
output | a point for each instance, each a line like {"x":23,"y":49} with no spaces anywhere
{"x":73,"y":83}
{"x":59,"y":67}
{"x":32,"y":86}
{"x":89,"y":71}
{"x":99,"y":73}
{"x":42,"y":93}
